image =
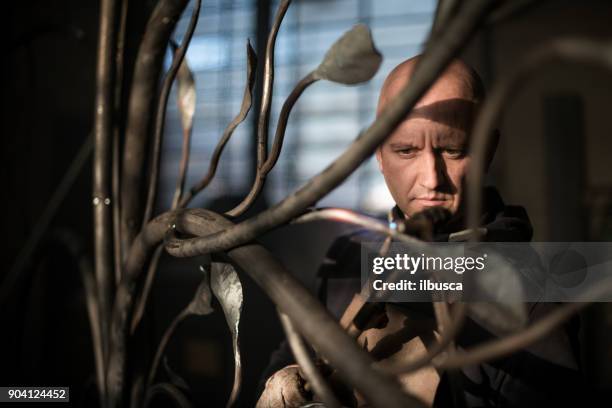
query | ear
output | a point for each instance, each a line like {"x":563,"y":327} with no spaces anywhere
{"x":379,"y":158}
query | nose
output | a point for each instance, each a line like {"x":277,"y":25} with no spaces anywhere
{"x":430,"y":171}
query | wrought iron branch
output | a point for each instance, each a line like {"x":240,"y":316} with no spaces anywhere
{"x":79,"y":255}
{"x":247,"y":100}
{"x":178,"y":319}
{"x":447,"y":336}
{"x":268,"y":164}
{"x":514,"y":342}
{"x":569,"y":50}
{"x":352,"y":59}
{"x":160,"y":115}
{"x":103,"y":135}
{"x":268,"y":82}
{"x":142,"y":104}
{"x":320,"y":387}
{"x":433,"y":63}
{"x":290,"y":296}
{"x":116,"y":155}
{"x":264,"y":112}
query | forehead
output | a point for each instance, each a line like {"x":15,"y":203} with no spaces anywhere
{"x":455,"y":83}
{"x":448,"y":120}
{"x":445,"y":112}
{"x":449,"y":101}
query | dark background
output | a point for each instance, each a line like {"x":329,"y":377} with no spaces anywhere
{"x":553,"y":159}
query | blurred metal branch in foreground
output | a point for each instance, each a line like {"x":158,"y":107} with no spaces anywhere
{"x":570,"y":50}
{"x":184,"y":233}
{"x":434,"y":61}
{"x":320,"y":387}
{"x":286,"y":292}
{"x":142,"y":104}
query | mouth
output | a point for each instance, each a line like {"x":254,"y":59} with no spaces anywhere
{"x":430,"y":201}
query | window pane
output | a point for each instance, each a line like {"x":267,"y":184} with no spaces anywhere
{"x":325,"y":120}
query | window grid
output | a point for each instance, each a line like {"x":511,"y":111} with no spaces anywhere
{"x":325,"y":120}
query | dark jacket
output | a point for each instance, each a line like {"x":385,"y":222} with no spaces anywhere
{"x":520,"y":380}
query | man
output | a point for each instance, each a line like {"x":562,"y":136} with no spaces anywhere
{"x":424,"y":163}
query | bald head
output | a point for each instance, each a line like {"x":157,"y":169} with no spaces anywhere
{"x":459,"y":81}
{"x":425,"y":159}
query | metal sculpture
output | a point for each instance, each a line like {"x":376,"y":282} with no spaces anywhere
{"x":129,"y":239}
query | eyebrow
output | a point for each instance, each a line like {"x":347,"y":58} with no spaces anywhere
{"x":401,"y":144}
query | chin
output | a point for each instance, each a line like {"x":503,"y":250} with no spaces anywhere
{"x":422,"y":207}
{"x":414,"y":206}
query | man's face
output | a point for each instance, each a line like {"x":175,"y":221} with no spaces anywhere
{"x":424,"y":161}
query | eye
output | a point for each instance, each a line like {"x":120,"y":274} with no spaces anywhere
{"x":453,"y":153}
{"x":406,"y":151}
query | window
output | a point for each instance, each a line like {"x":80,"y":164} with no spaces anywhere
{"x":324,"y":121}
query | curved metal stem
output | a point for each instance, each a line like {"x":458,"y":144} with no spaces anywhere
{"x":497,"y":348}
{"x":283,"y":118}
{"x":163,"y":343}
{"x":566,"y":50}
{"x":142,"y":103}
{"x":448,"y":326}
{"x":72,"y":244}
{"x":93,"y":313}
{"x":186,"y":198}
{"x":268,"y":77}
{"x":142,"y":298}
{"x":116,"y":164}
{"x":506,"y":345}
{"x":313,"y":376}
{"x":102,"y":155}
{"x":180,"y":182}
{"x":433,"y":62}
{"x":447,"y":336}
{"x":247,"y":100}
{"x":292,"y":298}
{"x":352,"y":217}
{"x":179,"y":56}
{"x":160,"y":116}
{"x":262,"y":172}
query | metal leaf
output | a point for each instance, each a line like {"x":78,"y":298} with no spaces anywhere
{"x":201,"y":304}
{"x":226,"y":286}
{"x":186,"y":95}
{"x":352,"y":59}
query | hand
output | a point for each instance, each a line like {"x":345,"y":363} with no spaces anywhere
{"x":285,"y":389}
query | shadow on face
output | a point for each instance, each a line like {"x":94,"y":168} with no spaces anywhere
{"x":455,"y":113}
{"x":424,"y":161}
